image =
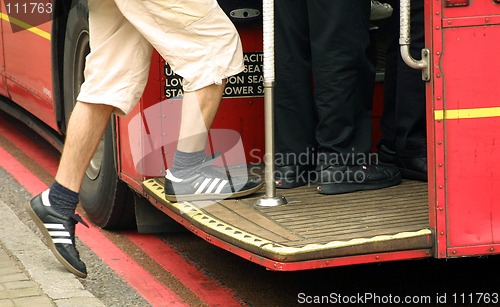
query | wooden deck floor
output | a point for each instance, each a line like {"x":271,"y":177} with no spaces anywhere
{"x":314,"y":226}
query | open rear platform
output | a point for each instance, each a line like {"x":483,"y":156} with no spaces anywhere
{"x":313,"y":226}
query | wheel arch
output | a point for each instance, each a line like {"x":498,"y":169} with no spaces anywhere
{"x":59,"y":21}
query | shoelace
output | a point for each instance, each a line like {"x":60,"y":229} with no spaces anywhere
{"x":76,"y":219}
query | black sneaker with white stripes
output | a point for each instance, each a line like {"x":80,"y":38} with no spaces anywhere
{"x":209,"y":183}
{"x":59,"y":232}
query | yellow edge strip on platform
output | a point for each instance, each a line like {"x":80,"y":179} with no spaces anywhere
{"x":467,"y":113}
{"x":285,"y":250}
{"x":190,"y":209}
{"x":26,"y":26}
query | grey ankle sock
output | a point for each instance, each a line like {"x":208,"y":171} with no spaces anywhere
{"x":62,"y":199}
{"x":184,"y":162}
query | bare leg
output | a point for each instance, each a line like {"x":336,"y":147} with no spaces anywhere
{"x":85,"y":130}
{"x":198,"y":112}
{"x":88,"y":122}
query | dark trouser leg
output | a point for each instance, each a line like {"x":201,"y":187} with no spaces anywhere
{"x":403,"y":121}
{"x":343,"y":75}
{"x":295,"y":116}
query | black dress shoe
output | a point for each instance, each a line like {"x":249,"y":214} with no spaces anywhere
{"x":292,"y":176}
{"x":386,"y":155}
{"x":410,"y":168}
{"x":413,"y":168}
{"x":346,"y":179}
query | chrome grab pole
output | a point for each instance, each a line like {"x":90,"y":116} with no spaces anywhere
{"x":270,"y":199}
{"x":405,"y":39}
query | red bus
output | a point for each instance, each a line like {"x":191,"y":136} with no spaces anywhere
{"x":454,"y":214}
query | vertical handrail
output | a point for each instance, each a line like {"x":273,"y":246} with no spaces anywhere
{"x":270,"y":199}
{"x":269,"y":80}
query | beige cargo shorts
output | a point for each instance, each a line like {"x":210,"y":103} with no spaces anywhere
{"x":195,"y":37}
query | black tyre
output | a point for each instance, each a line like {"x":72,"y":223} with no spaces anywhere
{"x":107,"y":201}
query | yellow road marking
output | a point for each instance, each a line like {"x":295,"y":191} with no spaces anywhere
{"x":26,"y":26}
{"x":467,"y":113}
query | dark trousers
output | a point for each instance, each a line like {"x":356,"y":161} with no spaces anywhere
{"x":403,"y":122}
{"x":324,"y":78}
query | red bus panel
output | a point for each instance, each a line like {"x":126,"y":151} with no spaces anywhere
{"x":471,"y":91}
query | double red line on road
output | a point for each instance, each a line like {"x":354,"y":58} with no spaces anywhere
{"x":150,"y":288}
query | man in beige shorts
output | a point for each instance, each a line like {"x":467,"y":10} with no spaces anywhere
{"x":201,"y":44}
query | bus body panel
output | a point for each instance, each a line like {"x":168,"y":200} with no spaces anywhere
{"x":28,"y":68}
{"x":472,"y":127}
{"x":464,"y":121}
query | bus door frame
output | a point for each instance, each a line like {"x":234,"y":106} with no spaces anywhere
{"x":463,"y":122}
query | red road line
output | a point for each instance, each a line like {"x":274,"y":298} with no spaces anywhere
{"x":204,"y":287}
{"x":142,"y":281}
{"x":155,"y":292}
{"x":207,"y":289}
{"x":20,"y":173}
{"x":26,"y":145}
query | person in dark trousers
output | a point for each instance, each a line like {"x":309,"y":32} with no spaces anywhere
{"x":403,"y":123}
{"x":323,"y":97}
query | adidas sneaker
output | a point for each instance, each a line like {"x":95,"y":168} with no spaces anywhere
{"x":59,"y":232}
{"x":209,"y":183}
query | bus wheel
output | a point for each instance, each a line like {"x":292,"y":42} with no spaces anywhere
{"x":107,"y":200}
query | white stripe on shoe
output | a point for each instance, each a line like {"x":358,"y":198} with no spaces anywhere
{"x":203,"y":185}
{"x":58,"y":233}
{"x":62,"y":241}
{"x":211,"y":186}
{"x":54,"y":226}
{"x":215,"y":181}
{"x":221,"y":186}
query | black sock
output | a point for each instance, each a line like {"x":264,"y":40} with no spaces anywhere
{"x":184,"y":163}
{"x":62,"y":199}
